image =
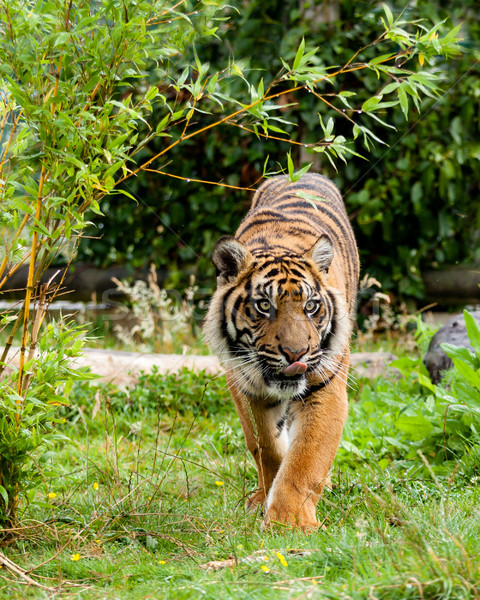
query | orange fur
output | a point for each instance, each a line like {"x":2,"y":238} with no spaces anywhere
{"x":284,"y":304}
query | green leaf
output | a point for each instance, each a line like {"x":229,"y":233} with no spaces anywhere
{"x":390,"y":87}
{"x":125,"y":193}
{"x":473,"y":331}
{"x":457,"y":352}
{"x":426,"y":382}
{"x":299,"y":55}
{"x":371,"y":103}
{"x":301,"y":172}
{"x":417,"y":427}
{"x":212,"y":83}
{"x":402,"y":96}
{"x":388,"y":14}
{"x":4,"y":495}
{"x":290,"y":167}
{"x":471,"y":375}
{"x":260,"y":90}
{"x":152,"y":93}
{"x":311,"y":198}
{"x":377,"y":118}
{"x":382,"y":58}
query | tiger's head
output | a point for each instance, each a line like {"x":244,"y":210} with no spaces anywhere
{"x":275,"y":319}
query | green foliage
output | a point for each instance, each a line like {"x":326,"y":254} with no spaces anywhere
{"x":178,"y":220}
{"x":68,"y":132}
{"x":65,"y":78}
{"x":184,"y":393}
{"x":441,"y":421}
{"x":29,"y":421}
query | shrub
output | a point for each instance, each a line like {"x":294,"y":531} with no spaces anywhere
{"x":442,"y":421}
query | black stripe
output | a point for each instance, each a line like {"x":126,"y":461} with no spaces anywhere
{"x":258,"y":222}
{"x":315,"y":388}
{"x":273,"y":404}
{"x":281,"y":423}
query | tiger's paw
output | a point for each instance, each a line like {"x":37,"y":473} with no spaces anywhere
{"x":303,"y":519}
{"x":256,"y":501}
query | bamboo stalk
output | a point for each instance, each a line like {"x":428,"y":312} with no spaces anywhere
{"x":20,"y":228}
{"x":33,"y":255}
{"x":9,"y":342}
{"x":28,"y":295}
{"x":12,"y":131}
{"x":39,"y":316}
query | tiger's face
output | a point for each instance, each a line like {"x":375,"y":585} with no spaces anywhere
{"x":274,"y":320}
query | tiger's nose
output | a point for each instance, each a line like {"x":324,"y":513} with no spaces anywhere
{"x":292,"y":355}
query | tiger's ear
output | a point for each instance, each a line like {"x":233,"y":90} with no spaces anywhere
{"x":229,"y":257}
{"x":321,"y":253}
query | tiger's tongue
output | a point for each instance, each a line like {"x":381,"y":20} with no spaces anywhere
{"x":296,"y":368}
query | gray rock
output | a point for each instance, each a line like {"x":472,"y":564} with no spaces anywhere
{"x":453,"y":332}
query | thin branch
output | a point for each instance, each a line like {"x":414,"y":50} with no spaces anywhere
{"x":265,"y":98}
{"x":14,"y":568}
{"x":189,"y":179}
{"x":28,"y":295}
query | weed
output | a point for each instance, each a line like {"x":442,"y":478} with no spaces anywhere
{"x":162,"y":321}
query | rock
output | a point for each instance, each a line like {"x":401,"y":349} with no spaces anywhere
{"x":453,"y":332}
{"x":371,"y":364}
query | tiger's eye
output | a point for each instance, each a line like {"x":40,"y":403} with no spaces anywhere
{"x":311,"y":306}
{"x":264,"y":305}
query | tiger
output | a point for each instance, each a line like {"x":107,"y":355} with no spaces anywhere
{"x":280,"y":321}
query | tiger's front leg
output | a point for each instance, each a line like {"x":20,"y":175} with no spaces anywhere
{"x":315,"y":432}
{"x":262,"y":423}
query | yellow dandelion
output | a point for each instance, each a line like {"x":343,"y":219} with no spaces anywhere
{"x":265,"y":569}
{"x":98,"y":542}
{"x":75,"y":557}
{"x":52,"y":495}
{"x":281,"y":558}
{"x":266,"y":558}
{"x":219,"y":483}
{"x":95,"y":486}
{"x":162,"y":562}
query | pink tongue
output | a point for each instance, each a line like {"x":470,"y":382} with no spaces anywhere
{"x":295,"y":368}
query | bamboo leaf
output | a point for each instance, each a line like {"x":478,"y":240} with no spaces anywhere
{"x":388,"y":14}
{"x":402,"y":96}
{"x":299,"y":55}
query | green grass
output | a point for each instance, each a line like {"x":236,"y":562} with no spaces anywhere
{"x":151,"y":488}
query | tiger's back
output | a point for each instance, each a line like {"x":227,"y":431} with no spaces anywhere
{"x":289,"y":217}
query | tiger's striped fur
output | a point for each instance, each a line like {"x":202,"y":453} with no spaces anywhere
{"x":285,"y":302}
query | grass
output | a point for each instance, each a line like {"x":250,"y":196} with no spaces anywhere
{"x":150,"y":491}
